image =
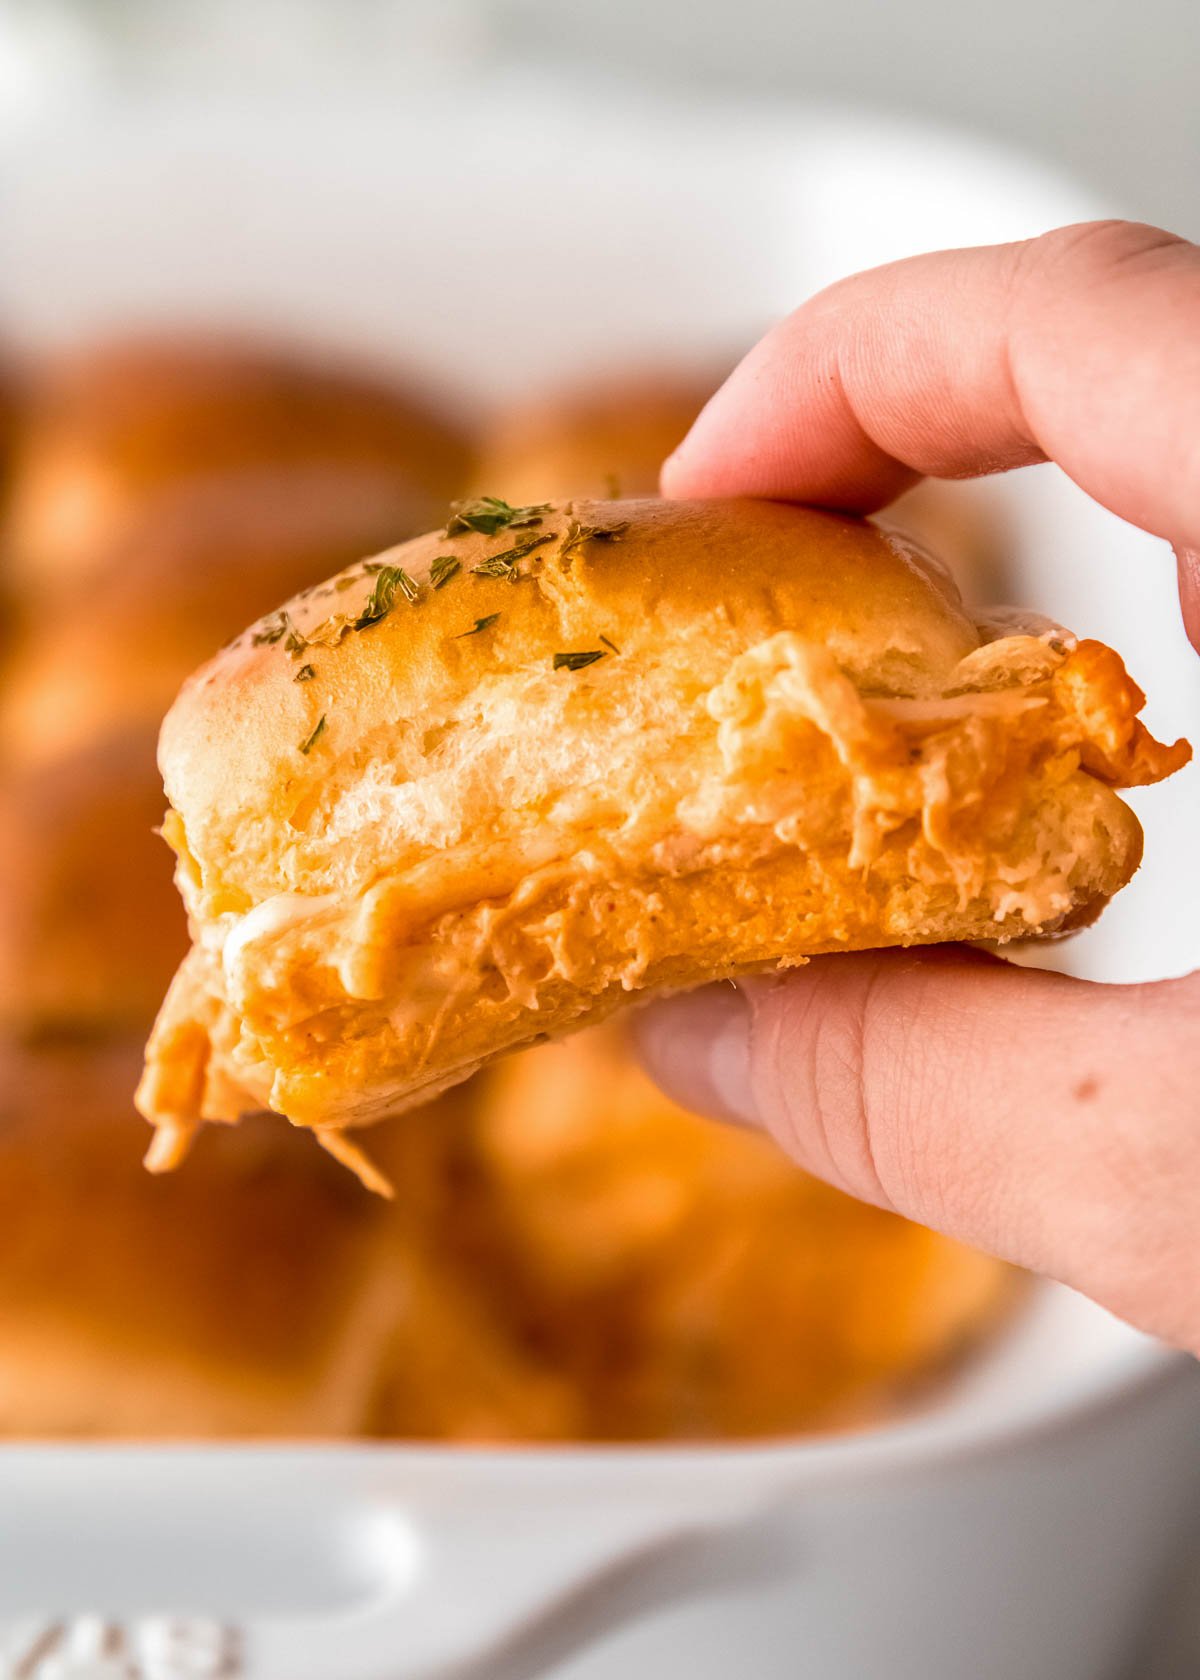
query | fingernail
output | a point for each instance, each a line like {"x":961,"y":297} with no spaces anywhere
{"x":697,"y":1047}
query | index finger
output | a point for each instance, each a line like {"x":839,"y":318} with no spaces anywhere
{"x":1081,"y":347}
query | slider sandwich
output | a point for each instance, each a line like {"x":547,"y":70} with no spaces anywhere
{"x":496,"y":783}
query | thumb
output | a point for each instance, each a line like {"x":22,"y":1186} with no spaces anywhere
{"x":1053,"y":1122}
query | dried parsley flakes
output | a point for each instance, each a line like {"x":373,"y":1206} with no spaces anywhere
{"x":307,"y":746}
{"x":489,"y":514}
{"x":479,"y":624}
{"x":577,"y":661}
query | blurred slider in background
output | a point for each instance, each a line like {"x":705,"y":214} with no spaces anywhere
{"x":568,"y":1256}
{"x":691,"y":1279}
{"x":9,"y":408}
{"x":163,"y":493}
{"x":260,"y":1294}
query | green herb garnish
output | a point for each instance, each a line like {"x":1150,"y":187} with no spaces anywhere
{"x":383,"y":596}
{"x":480,"y":624}
{"x":611,"y":645}
{"x":329,"y":632}
{"x":272,"y":631}
{"x":307,"y":746}
{"x":504,"y":564}
{"x":576,"y":661}
{"x":576,"y":535}
{"x":279,"y":626}
{"x":497,"y":565}
{"x":489,"y":514}
{"x":443,"y":569}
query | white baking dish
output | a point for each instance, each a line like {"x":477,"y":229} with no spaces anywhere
{"x":1016,"y":1528}
{"x":492,"y":234}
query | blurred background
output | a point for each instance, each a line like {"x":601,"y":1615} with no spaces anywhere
{"x":1101,"y":88}
{"x":278,"y":282}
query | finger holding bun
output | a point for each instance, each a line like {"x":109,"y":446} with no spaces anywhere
{"x":114,"y":429}
{"x":491,"y":785}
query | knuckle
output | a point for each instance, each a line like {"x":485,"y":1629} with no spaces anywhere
{"x":844,"y":1102}
{"x":823,"y":1065}
{"x":910,"y":1072}
{"x":868,"y":1069}
{"x":1086,"y":254}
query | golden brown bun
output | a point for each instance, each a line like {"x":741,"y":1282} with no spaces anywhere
{"x":117,"y":427}
{"x":605,"y":439}
{"x":10,"y":414}
{"x":11,"y":403}
{"x":692,"y":1279}
{"x":440,"y":847}
{"x":91,"y":928}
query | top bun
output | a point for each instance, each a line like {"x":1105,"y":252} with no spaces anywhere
{"x":478,"y":791}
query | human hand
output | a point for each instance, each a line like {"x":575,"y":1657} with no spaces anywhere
{"x":1048,"y":1120}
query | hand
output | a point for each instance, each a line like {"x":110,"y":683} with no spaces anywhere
{"x":1048,"y":1120}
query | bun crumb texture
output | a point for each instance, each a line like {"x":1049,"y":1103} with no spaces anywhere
{"x":487,"y":787}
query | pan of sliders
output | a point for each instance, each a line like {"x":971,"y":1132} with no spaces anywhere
{"x":575,"y":1385}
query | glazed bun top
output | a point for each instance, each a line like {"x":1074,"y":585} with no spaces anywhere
{"x":539,"y":673}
